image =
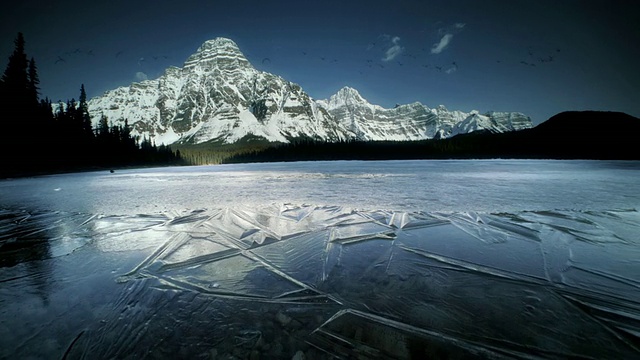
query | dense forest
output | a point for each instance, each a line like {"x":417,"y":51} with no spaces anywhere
{"x":36,"y":140}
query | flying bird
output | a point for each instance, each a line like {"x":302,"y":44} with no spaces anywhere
{"x":119,"y":53}
{"x":266,"y":61}
{"x":59,"y":59}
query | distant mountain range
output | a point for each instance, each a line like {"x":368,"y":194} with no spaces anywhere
{"x":218,"y":96}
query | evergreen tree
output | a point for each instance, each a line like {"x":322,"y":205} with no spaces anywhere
{"x":14,"y":95}
{"x":102,"y":131}
{"x":83,"y":113}
{"x":34,"y":81}
{"x":60,"y":112}
{"x":15,"y":75}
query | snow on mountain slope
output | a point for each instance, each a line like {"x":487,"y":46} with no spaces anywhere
{"x":493,"y":122}
{"x":218,"y":95}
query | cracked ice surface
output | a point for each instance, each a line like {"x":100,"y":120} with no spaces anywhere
{"x":351,"y":283}
{"x":328,"y":281}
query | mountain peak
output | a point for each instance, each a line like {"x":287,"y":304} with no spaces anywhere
{"x":220,"y":52}
{"x":349,"y":90}
{"x":220,"y":41}
{"x":346,"y":96}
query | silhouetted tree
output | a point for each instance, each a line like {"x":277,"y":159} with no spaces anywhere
{"x":15,"y":77}
{"x":34,"y":81}
{"x":83,"y":113}
{"x":14,"y":95}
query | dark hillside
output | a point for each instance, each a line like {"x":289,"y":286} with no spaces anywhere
{"x":594,"y":135}
{"x":587,"y":135}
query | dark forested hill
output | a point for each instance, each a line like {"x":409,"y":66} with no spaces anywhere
{"x":575,"y":135}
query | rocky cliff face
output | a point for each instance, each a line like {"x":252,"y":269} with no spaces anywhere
{"x":218,"y":95}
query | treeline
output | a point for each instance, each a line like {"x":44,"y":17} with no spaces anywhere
{"x":218,"y":152}
{"x":312,"y":150}
{"x":36,"y":140}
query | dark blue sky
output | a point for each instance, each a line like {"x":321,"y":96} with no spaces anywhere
{"x":536,"y":57}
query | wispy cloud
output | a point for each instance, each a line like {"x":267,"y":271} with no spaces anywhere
{"x":438,"y":47}
{"x":459,"y":25}
{"x":140,"y":76}
{"x":394,"y":50}
{"x":446,"y":34}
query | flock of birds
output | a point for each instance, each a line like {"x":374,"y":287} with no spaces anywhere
{"x":80,"y":52}
{"x":532,"y":60}
{"x":371,"y":63}
{"x":73,"y":53}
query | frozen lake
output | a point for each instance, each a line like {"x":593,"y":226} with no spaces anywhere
{"x":394,"y":259}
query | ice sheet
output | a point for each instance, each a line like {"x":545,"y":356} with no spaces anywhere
{"x":276,"y":280}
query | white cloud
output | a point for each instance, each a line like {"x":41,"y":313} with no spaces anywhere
{"x":447,"y":33}
{"x":394,"y":50}
{"x":439,"y":46}
{"x":140,"y":76}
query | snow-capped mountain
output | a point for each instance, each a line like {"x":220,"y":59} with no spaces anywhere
{"x":415,"y":121}
{"x":219,"y":95}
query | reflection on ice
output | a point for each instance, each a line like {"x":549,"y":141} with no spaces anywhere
{"x":320,"y":281}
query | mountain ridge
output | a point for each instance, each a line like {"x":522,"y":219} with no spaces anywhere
{"x":217,"y":95}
